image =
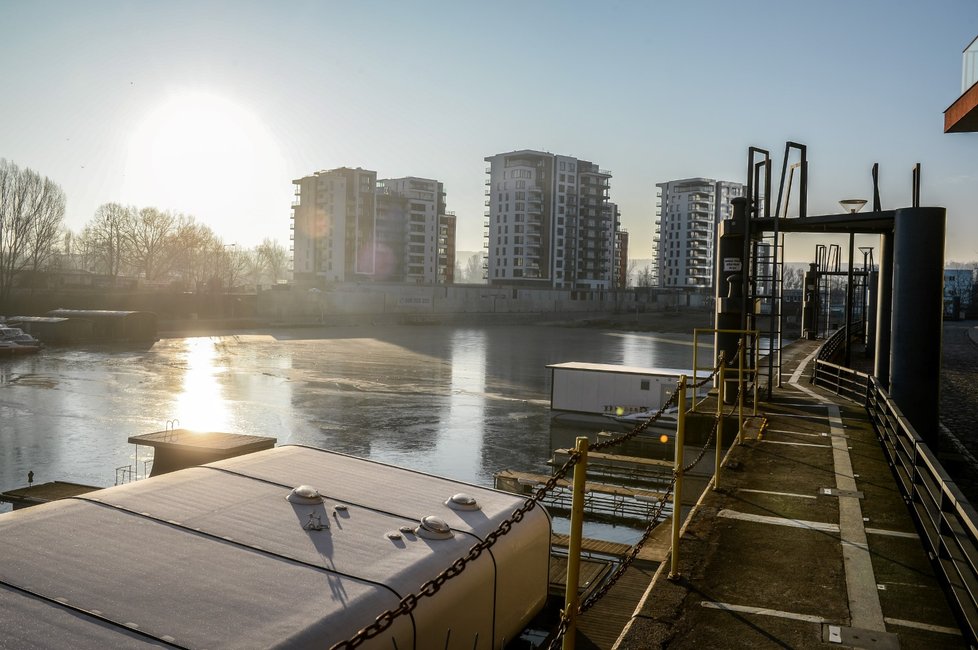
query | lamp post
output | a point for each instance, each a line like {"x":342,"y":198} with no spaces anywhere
{"x":853,"y":206}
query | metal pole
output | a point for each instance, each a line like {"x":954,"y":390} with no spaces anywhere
{"x":849,"y":297}
{"x":884,"y":309}
{"x":695,"y":347}
{"x":571,"y":600}
{"x":716,"y":469}
{"x":677,"y":492}
{"x":740,"y":393}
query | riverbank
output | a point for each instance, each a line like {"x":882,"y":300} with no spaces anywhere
{"x":658,"y":321}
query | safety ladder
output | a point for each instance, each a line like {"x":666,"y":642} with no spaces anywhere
{"x":764,"y":296}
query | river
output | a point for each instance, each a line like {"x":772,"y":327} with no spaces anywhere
{"x":460,"y":402}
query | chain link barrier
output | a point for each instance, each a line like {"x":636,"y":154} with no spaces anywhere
{"x":410,"y":602}
{"x":431,"y":587}
{"x":654,"y":521}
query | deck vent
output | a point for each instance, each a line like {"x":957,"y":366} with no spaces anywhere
{"x":305,"y":495}
{"x":463,"y":501}
{"x":433,"y":527}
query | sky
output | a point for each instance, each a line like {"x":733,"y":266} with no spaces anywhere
{"x":213,"y":108}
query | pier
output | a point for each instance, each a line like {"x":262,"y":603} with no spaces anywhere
{"x":808,"y":541}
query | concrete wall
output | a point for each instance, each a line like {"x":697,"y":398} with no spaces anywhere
{"x":378,"y":299}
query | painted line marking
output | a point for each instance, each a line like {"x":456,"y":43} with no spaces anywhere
{"x":800,"y":370}
{"x":796,"y":415}
{"x":891,"y":533}
{"x":780,"y":494}
{"x":763,"y":611}
{"x":798,"y":433}
{"x":796,"y":444}
{"x":923,"y":626}
{"x":780,"y":521}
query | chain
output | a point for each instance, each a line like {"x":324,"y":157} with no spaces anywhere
{"x":639,"y":428}
{"x":433,"y":586}
{"x":654,"y":522}
{"x":713,"y":373}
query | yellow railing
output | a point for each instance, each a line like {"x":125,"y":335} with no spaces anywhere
{"x":743,"y":368}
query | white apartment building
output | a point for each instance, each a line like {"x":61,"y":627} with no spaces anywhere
{"x":333,"y":226}
{"x":549,"y":222}
{"x":684,"y":234}
{"x":347,"y":226}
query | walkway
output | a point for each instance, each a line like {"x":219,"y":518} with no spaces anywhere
{"x":807,"y":543}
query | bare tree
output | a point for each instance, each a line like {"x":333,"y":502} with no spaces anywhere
{"x":104,"y":241}
{"x":232,"y":265}
{"x":149,"y":242}
{"x":630,"y":272}
{"x":193,"y":245}
{"x":644,"y":278}
{"x":32,"y":209}
{"x":273,"y":259}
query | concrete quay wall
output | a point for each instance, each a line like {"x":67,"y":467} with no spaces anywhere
{"x":418,"y":301}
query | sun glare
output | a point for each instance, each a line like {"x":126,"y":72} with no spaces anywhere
{"x":207,"y":156}
{"x":200,"y":405}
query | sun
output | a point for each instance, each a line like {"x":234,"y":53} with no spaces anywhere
{"x":207,"y":156}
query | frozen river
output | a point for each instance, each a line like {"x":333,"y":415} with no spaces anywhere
{"x":458,"y":402}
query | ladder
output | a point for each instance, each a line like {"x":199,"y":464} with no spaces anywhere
{"x":764,"y":251}
{"x":764,"y":295}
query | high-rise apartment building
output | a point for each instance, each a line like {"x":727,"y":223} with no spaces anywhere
{"x":349,"y":227}
{"x":333,"y":226}
{"x":549,"y":222}
{"x":684,"y":235}
{"x":415,"y":234}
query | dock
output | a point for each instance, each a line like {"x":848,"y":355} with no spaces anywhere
{"x":34,"y":495}
{"x":808,"y":543}
{"x":176,"y":449}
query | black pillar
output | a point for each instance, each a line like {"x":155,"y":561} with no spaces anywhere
{"x":730,"y":266}
{"x":809,"y":306}
{"x":918,"y":308}
{"x":884,"y":308}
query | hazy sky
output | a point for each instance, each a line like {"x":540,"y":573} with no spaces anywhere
{"x":212,"y":108}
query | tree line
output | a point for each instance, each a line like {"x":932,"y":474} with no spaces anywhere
{"x":160,"y":247}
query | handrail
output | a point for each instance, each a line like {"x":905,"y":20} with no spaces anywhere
{"x":946,"y":521}
{"x":843,"y":381}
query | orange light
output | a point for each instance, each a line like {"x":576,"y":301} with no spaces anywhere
{"x":663,"y":438}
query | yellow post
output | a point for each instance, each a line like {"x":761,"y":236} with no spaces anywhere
{"x":677,"y":491}
{"x":695,"y":348}
{"x":755,"y":376}
{"x":740,"y":394}
{"x":571,"y":600}
{"x":716,"y":470}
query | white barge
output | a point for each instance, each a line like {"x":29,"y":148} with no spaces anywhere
{"x":289,"y":547}
{"x":612,"y":390}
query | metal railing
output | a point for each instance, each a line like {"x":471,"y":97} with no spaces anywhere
{"x":842,"y":381}
{"x":945,"y":519}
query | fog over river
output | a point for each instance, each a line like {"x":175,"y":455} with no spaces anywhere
{"x":460,"y":402}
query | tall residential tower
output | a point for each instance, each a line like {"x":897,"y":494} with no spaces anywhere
{"x":683,"y":238}
{"x":349,"y":227}
{"x":549,"y":222}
